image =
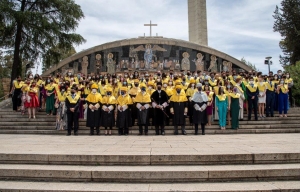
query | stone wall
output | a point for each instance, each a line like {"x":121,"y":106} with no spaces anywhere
{"x":6,"y":85}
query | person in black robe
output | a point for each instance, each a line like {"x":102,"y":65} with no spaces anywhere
{"x":179,"y":107}
{"x":159,"y":103}
{"x":93,"y":101}
{"x":124,"y":106}
{"x":72,"y":105}
{"x":199,"y":103}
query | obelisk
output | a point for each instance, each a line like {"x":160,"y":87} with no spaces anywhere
{"x":197,"y":22}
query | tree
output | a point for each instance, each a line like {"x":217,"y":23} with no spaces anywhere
{"x":249,"y":64}
{"x":294,"y":71}
{"x":55,"y":54}
{"x":287,"y":24}
{"x":6,"y":61}
{"x":31,"y":27}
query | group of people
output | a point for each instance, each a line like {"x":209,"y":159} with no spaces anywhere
{"x":109,"y":100}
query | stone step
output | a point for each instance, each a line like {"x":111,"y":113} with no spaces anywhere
{"x":146,"y":174}
{"x":271,"y":186}
{"x":155,"y":158}
{"x":152,"y":131}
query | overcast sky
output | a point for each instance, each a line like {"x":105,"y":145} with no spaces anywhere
{"x":240,"y":28}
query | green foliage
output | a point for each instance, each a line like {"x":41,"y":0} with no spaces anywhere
{"x":29,"y":28}
{"x":55,"y":55}
{"x":1,"y":91}
{"x":249,"y":64}
{"x":287,"y":23}
{"x":6,"y":62}
{"x":294,"y":71}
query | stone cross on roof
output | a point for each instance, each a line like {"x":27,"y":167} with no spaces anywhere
{"x":150,"y":27}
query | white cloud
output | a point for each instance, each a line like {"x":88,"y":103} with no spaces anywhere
{"x":240,"y":28}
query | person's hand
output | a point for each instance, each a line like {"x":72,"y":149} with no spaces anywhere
{"x":253,"y":97}
{"x":157,"y":106}
{"x":143,"y":108}
{"x":185,"y":114}
{"x":72,"y":110}
{"x":107,"y":109}
{"x":121,"y":108}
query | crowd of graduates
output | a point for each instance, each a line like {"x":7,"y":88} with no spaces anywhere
{"x":118,"y":100}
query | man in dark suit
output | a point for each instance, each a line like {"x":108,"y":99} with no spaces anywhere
{"x":72,"y":104}
{"x":252,"y":93}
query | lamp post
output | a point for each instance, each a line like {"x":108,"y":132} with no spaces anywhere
{"x":268,"y":62}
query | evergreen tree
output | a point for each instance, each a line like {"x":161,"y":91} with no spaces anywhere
{"x":29,"y":28}
{"x":287,"y":23}
{"x":249,"y":64}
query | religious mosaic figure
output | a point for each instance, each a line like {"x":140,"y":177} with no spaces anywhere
{"x":229,"y":65}
{"x":225,"y":66}
{"x":177,"y":65}
{"x":185,"y":63}
{"x":98,"y":61}
{"x":213,"y":64}
{"x":110,"y":64}
{"x":148,"y":56}
{"x":84,"y":65}
{"x":199,"y":62}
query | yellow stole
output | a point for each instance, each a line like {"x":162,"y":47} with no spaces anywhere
{"x":284,"y":88}
{"x":73,"y":101}
{"x":50,"y":87}
{"x":252,"y":89}
{"x":261,"y":87}
{"x":210,"y":95}
{"x":212,"y":83}
{"x":94,"y":98}
{"x":270,"y":87}
{"x":124,"y":100}
{"x":108,"y":100}
{"x":18,"y":85}
{"x":179,"y":98}
{"x":240,"y":88}
{"x":235,"y":96}
{"x":140,"y":98}
{"x":222,"y":97}
{"x":62,"y":97}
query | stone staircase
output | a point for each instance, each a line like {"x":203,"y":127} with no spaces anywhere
{"x":15,"y":123}
{"x":160,"y":172}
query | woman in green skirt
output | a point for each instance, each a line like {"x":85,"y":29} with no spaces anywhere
{"x":234,"y":108}
{"x":50,"y":100}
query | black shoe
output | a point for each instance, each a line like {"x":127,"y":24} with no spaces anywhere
{"x":126,"y":134}
{"x":175,"y":133}
{"x":267,"y":116}
{"x":68,"y":134}
{"x":146,"y":133}
{"x":203,"y":133}
{"x":184,"y":133}
{"x":163,"y":133}
{"x":76,"y":133}
{"x":272,"y":115}
{"x":156,"y":133}
{"x":140,"y":134}
{"x":196,"y":133}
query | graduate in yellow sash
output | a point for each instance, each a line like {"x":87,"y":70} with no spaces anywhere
{"x":252,"y":94}
{"x":72,"y":104}
{"x":282,"y":91}
{"x":234,"y":104}
{"x":222,"y":107}
{"x":124,"y":105}
{"x":108,"y":103}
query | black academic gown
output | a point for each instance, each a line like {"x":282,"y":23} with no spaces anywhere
{"x":93,"y":117}
{"x":179,"y":117}
{"x":159,"y":98}
{"x":124,"y":118}
{"x":200,"y":117}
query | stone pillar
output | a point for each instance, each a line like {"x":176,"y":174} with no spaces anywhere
{"x":84,"y":65}
{"x":197,"y":21}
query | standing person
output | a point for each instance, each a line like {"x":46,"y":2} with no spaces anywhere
{"x":108,"y":103}
{"x":93,"y":102}
{"x":124,"y":105}
{"x":234,"y":103}
{"x":252,"y":94}
{"x":17,"y":93}
{"x":210,"y":104}
{"x":143,"y":101}
{"x":72,"y":104}
{"x":159,"y":103}
{"x":282,"y":91}
{"x":50,"y":91}
{"x":222,"y":107}
{"x":133,"y":92}
{"x":61,"y":117}
{"x":289,"y":81}
{"x":199,"y":103}
{"x":32,"y":101}
{"x":241,"y":99}
{"x":270,"y":100}
{"x":261,"y":96}
{"x":179,"y":108}
{"x":25,"y":88}
{"x":189,"y":94}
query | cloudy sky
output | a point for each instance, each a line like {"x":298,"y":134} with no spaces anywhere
{"x":240,"y":28}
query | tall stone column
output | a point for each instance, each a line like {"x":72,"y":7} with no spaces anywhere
{"x":197,"y":22}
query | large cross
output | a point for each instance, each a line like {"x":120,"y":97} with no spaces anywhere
{"x":150,"y":27}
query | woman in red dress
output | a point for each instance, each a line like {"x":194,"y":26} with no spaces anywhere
{"x":32,"y":101}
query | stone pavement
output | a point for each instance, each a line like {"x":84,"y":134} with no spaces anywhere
{"x":150,"y":145}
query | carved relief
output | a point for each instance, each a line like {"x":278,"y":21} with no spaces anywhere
{"x":213,"y":64}
{"x":185,"y":63}
{"x":84,"y":65}
{"x":199,"y":62}
{"x":110,"y":64}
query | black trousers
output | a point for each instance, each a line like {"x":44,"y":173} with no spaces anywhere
{"x":176,"y":128}
{"x":270,"y":104}
{"x":290,"y":97}
{"x":162,"y":128}
{"x":141,"y":128}
{"x":202,"y":128}
{"x":252,"y":104}
{"x":73,"y":121}
{"x":123,"y":130}
{"x":16,"y":99}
